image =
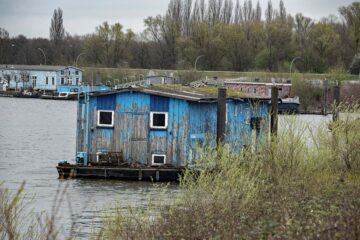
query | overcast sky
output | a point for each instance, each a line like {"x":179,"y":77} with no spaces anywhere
{"x":32,"y":17}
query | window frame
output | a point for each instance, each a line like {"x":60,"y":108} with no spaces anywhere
{"x":157,"y":155}
{"x":98,"y":124}
{"x":159,"y":127}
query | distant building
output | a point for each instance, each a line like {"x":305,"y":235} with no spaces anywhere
{"x":40,"y":77}
{"x":260,"y":88}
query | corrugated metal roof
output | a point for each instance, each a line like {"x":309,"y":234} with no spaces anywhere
{"x":34,"y":67}
{"x":190,"y":93}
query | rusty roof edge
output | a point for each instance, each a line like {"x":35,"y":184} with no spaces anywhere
{"x":187,"y":96}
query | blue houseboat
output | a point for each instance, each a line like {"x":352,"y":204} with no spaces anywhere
{"x":154,"y":132}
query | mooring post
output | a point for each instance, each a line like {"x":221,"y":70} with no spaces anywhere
{"x":274,"y":110}
{"x":221,"y":115}
{"x":325,"y":85}
{"x":336,"y":103}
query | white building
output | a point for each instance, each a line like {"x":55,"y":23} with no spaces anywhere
{"x":39,"y":77}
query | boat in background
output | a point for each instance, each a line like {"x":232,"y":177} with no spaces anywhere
{"x":289,"y":105}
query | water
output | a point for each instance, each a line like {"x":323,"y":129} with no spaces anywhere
{"x":34,"y":135}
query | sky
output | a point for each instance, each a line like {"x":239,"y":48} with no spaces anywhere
{"x":32,"y":17}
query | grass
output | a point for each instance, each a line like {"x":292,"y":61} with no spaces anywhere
{"x":203,"y":89}
{"x":303,"y":183}
{"x":293,"y":187}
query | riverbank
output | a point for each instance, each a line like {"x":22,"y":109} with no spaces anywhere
{"x":296,"y":187}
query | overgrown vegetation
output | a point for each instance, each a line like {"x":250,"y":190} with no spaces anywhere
{"x":302,"y":184}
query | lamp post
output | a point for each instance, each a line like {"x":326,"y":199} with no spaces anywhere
{"x":77,"y":58}
{"x":196,"y":60}
{"x":292,"y":62}
{"x":42,"y":51}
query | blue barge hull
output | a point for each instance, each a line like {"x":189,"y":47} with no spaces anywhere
{"x":109,"y":172}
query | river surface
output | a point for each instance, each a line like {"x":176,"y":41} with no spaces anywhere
{"x":35,"y":134}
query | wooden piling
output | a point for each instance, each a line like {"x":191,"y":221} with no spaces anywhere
{"x":336,"y":103}
{"x":274,"y":110}
{"x":221,"y":115}
{"x":325,"y":85}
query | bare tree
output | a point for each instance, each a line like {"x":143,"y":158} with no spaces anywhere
{"x":282,"y":11}
{"x":237,"y":12}
{"x":57,"y":32}
{"x":247,"y":11}
{"x":214,"y":11}
{"x":258,"y":12}
{"x":187,"y":5}
{"x":226,"y":13}
{"x":269,"y":12}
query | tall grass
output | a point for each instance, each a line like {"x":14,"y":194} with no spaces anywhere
{"x":303,"y":183}
{"x":298,"y":185}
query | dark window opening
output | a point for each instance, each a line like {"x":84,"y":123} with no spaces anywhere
{"x":158,"y":120}
{"x":53,"y":80}
{"x":105,"y":118}
{"x":158,"y":159}
{"x":47,"y":80}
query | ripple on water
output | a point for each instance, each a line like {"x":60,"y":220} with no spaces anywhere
{"x":35,"y":134}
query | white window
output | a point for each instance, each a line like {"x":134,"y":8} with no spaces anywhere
{"x":159,"y":120}
{"x":105,"y":118}
{"x":158,"y":159}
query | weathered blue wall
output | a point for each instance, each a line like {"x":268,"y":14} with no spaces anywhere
{"x":190,"y":124}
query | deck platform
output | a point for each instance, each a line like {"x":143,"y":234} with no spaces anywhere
{"x":126,"y":173}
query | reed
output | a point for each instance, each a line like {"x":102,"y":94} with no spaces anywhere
{"x":298,"y":185}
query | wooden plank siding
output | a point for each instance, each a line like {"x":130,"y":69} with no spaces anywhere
{"x":190,"y":124}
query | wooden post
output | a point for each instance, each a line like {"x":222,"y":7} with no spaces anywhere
{"x":336,"y":103}
{"x":274,"y":110}
{"x":221,"y":115}
{"x":325,"y":85}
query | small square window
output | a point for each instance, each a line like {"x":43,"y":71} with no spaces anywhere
{"x":159,"y":120}
{"x":77,"y":72}
{"x":105,"y":118}
{"x":158,"y":159}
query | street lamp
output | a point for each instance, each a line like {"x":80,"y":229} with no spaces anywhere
{"x":292,"y":62}
{"x":196,"y":60}
{"x":77,"y":58}
{"x":42,"y":51}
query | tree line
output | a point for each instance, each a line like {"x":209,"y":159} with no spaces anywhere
{"x":220,"y":34}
